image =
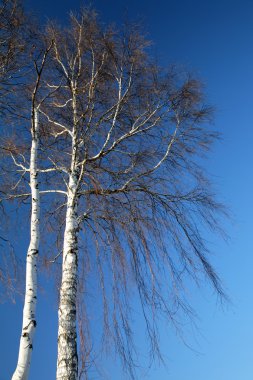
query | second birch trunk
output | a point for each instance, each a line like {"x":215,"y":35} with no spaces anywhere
{"x":29,"y":311}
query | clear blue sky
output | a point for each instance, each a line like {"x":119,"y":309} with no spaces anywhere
{"x":214,"y":39}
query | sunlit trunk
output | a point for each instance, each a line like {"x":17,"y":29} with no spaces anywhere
{"x":29,"y":311}
{"x":67,"y":361}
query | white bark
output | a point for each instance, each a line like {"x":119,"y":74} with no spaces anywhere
{"x":67,"y":361}
{"x":29,"y":311}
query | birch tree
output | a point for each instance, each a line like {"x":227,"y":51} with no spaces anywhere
{"x":123,"y":140}
{"x":20,"y":89}
{"x":17,"y":171}
{"x":29,"y":312}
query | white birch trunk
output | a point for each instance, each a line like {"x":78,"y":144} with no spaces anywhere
{"x":67,"y":361}
{"x":29,"y":311}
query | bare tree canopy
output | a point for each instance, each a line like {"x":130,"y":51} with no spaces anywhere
{"x":12,"y":43}
{"x":123,"y":138}
{"x":116,"y":142}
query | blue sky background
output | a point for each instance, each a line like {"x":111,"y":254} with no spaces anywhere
{"x":214,"y":39}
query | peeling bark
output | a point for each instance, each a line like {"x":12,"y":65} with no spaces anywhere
{"x":29,"y":311}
